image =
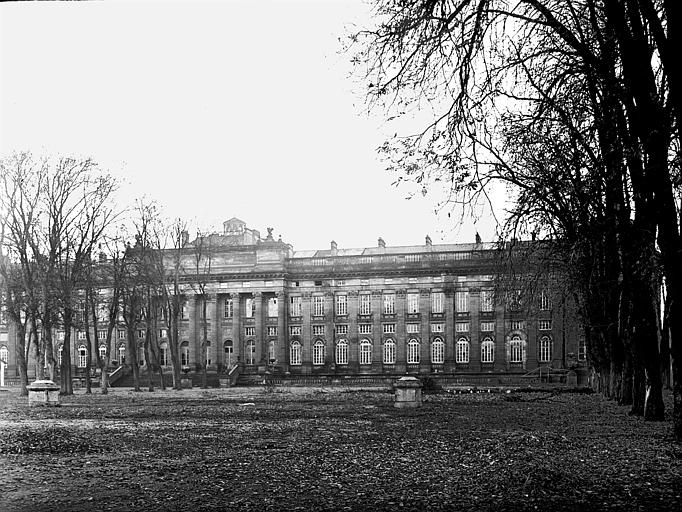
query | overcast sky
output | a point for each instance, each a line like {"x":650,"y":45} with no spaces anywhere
{"x":215,"y":109}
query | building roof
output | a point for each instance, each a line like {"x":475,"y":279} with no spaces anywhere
{"x":401,"y":249}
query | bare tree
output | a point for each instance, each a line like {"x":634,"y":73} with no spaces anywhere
{"x":203,"y":258}
{"x":580,"y":76}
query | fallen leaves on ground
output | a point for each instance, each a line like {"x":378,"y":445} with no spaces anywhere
{"x":331,"y":450}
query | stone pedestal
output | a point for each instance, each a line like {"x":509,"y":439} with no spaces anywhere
{"x":185,"y":382}
{"x":572,"y":379}
{"x":43,"y":392}
{"x":408,"y":392}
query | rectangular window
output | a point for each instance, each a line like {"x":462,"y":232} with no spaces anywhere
{"x":318,"y":305}
{"x":341,"y":305}
{"x":60,"y":336}
{"x":487,"y":300}
{"x":295,"y":306}
{"x":412,"y":328}
{"x":487,"y":326}
{"x":272,"y":307}
{"x":250,"y":331}
{"x":272,"y":330}
{"x":318,"y":330}
{"x":250,"y":307}
{"x":295,"y":330}
{"x":365,"y":304}
{"x":516,"y":325}
{"x":462,"y":301}
{"x":229,"y":309}
{"x":81,"y":335}
{"x":582,"y":348}
{"x":341,"y":329}
{"x":140,"y":333}
{"x":439,"y":327}
{"x":163,"y":333}
{"x":461,"y":326}
{"x":183,"y":312}
{"x":544,"y":301}
{"x":389,"y":304}
{"x":545,"y":325}
{"x":101,"y":335}
{"x":437,"y":302}
{"x":413,"y":303}
{"x":389,"y":328}
{"x":365,"y":328}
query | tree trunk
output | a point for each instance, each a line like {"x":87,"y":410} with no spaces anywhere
{"x":638,"y":390}
{"x":132,"y":357}
{"x":21,"y":358}
{"x":626,"y":395}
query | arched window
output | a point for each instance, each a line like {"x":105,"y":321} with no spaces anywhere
{"x":4,"y":354}
{"x":487,"y":350}
{"x":318,"y":353}
{"x":184,"y":353}
{"x":342,"y":352}
{"x":462,"y":351}
{"x":365,"y":352}
{"x":208,"y":352}
{"x":102,"y":351}
{"x":295,"y":358}
{"x":82,"y":356}
{"x":389,"y":351}
{"x":164,"y":354}
{"x":516,"y":350}
{"x":228,"y":347}
{"x":121,"y":353}
{"x":437,"y":351}
{"x":413,"y":348}
{"x":545,"y":349}
{"x":251,"y":352}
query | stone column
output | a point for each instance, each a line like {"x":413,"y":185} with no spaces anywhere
{"x":282,"y":334}
{"x":474,"y":328}
{"x":400,"y":337}
{"x":237,"y":337}
{"x":306,"y":331}
{"x":375,"y":338}
{"x":450,"y":338}
{"x":425,"y":312}
{"x":352,"y":336}
{"x":260,"y":338}
{"x":217,"y":353}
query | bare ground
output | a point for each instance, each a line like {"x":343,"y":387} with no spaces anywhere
{"x":248,"y":449}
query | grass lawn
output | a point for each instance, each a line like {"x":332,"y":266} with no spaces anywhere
{"x":306,"y":449}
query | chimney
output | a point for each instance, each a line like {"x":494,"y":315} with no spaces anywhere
{"x":102,"y":257}
{"x":334,"y":248}
{"x":428,"y":240}
{"x":381,"y":242}
{"x":184,"y":238}
{"x":478,"y":238}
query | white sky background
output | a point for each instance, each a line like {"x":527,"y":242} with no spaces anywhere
{"x":215,"y":109}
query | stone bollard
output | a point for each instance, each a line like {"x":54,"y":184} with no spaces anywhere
{"x":42,"y":392}
{"x":408,"y":392}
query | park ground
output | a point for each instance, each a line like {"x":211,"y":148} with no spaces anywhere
{"x":333,"y":449}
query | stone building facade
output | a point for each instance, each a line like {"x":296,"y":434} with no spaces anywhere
{"x":383,"y":311}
